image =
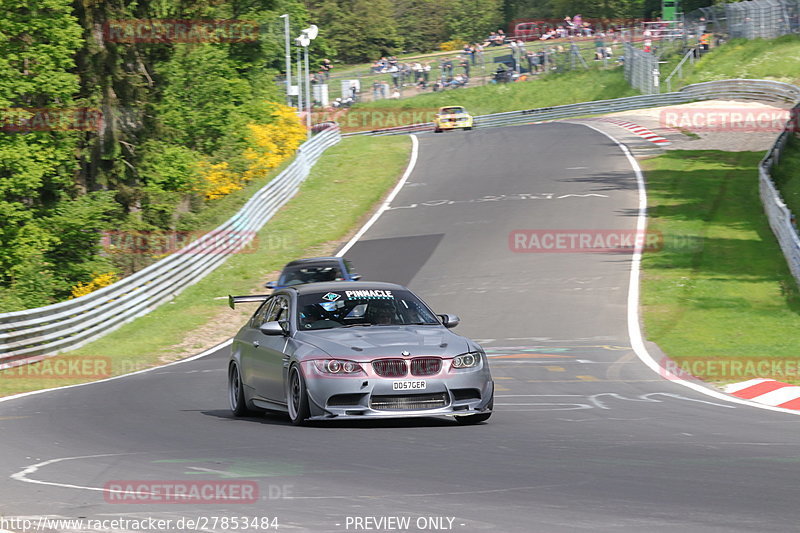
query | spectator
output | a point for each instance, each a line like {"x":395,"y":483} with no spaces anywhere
{"x":325,"y":68}
{"x":478,"y":52}
{"x":417,"y":69}
{"x":376,"y":89}
{"x":467,"y":52}
{"x":426,"y":72}
{"x":465,"y":65}
{"x":394,"y":72}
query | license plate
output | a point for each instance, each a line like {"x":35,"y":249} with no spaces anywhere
{"x":409,"y":384}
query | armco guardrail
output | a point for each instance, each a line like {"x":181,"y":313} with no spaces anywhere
{"x":723,"y":89}
{"x":781,"y":219}
{"x":28,"y":335}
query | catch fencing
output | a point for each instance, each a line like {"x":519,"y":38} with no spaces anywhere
{"x":26,"y":336}
{"x":713,"y":25}
{"x":750,"y":19}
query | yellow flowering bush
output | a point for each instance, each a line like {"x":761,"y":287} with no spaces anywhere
{"x":270,"y":144}
{"x":218,"y":180}
{"x":452,"y":46}
{"x":99,"y":281}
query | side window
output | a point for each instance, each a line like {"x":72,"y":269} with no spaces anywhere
{"x":260,"y":315}
{"x":279,"y":311}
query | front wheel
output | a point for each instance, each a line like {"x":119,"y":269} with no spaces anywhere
{"x":297,"y":397}
{"x":236,"y":392}
{"x":469,"y":420}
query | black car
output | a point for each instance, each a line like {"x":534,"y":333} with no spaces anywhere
{"x":314,"y":270}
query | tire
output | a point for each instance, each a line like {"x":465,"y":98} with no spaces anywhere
{"x":297,"y":397}
{"x":236,"y":398}
{"x":437,"y":130}
{"x":468,"y":129}
{"x":469,"y":420}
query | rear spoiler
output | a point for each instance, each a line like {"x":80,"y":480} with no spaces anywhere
{"x":233,"y":300}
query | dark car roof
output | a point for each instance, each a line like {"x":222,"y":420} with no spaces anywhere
{"x":312,"y":260}
{"x":345,"y":286}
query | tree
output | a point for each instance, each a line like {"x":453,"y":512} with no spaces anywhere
{"x":423,"y":23}
{"x":473,"y":20}
{"x":358,"y":30}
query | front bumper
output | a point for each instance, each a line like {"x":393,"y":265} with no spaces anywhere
{"x":454,"y":125}
{"x":446,"y":394}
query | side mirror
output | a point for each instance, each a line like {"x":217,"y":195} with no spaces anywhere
{"x":355,"y":277}
{"x":271,"y":284}
{"x":272,"y":328}
{"x":449,"y":321}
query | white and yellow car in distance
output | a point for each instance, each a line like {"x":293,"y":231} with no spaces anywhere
{"x":450,"y":118}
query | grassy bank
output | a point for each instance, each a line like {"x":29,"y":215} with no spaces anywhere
{"x":774,"y":59}
{"x":720,"y":288}
{"x":331,"y":203}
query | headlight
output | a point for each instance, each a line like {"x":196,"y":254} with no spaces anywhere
{"x":337,"y":366}
{"x":468,"y":360}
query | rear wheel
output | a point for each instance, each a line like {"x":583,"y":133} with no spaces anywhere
{"x":437,"y":130}
{"x":297,"y":397}
{"x":468,"y":420}
{"x":236,"y":392}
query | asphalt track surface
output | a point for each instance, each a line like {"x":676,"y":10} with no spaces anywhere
{"x":584,"y":436}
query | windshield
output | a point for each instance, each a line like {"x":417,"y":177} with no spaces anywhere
{"x":295,"y":275}
{"x":453,"y":110}
{"x":364,"y":307}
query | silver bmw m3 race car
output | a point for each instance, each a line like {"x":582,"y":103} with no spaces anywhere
{"x":348,"y":350}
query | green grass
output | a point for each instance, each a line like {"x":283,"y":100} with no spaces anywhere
{"x":786,"y":174}
{"x":554,"y":89}
{"x":339,"y":193}
{"x":775,"y":59}
{"x":720,"y":288}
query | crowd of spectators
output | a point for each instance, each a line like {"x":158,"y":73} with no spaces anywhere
{"x":455,"y":71}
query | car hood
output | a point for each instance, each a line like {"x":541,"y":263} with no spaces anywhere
{"x":366,"y":343}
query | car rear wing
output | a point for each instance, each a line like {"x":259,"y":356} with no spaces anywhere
{"x":233,"y":300}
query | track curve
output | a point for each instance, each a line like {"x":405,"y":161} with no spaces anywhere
{"x":584,"y":437}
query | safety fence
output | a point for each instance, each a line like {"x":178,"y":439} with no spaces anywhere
{"x":781,"y":219}
{"x":456,"y":69}
{"x":28,"y":335}
{"x":701,"y":30}
{"x":750,"y":19}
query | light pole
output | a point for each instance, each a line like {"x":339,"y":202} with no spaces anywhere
{"x":308,"y":35}
{"x":285,"y":18}
{"x":299,"y":83}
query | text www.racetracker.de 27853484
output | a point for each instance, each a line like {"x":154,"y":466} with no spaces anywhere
{"x":196,"y":523}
